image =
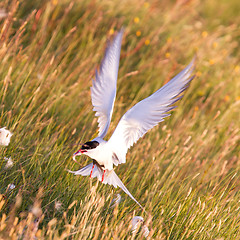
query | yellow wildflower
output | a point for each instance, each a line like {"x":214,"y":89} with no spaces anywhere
{"x":147,"y":42}
{"x":215,"y":44}
{"x":204,"y":34}
{"x":136,"y":20}
{"x":226,"y":98}
{"x":237,"y":68}
{"x":211,"y":61}
{"x":167,"y":55}
{"x":111,"y":32}
{"x":138,"y":33}
{"x":146,"y":4}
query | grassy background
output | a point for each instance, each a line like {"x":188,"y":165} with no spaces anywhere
{"x":185,"y":171}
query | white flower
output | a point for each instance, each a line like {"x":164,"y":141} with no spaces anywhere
{"x":9,"y":163}
{"x":145,"y":231}
{"x":116,"y":200}
{"x":58,"y":205}
{"x":135,"y":223}
{"x":5,"y":136}
{"x":36,"y":210}
{"x":11,"y":186}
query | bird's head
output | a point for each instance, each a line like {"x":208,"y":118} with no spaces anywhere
{"x":87,"y":146}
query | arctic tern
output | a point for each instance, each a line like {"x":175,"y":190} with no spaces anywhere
{"x":134,"y":123}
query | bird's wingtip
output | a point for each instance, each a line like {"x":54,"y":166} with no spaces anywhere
{"x":70,"y":171}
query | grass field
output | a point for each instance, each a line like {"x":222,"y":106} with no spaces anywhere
{"x":185,"y":171}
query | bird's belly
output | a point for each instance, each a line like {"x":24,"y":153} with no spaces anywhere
{"x":106,"y":162}
{"x":103,"y":158}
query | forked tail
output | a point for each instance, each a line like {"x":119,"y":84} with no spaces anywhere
{"x":110,"y":177}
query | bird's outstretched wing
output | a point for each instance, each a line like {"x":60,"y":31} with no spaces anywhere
{"x":103,"y":90}
{"x":148,"y":113}
{"x":110,"y":177}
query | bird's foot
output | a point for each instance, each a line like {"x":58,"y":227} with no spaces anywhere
{"x":103,"y":175}
{"x":92,"y":170}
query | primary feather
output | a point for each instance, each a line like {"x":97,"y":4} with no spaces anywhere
{"x":103,"y":90}
{"x":148,"y":113}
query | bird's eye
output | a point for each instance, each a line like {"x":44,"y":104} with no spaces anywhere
{"x":85,"y":146}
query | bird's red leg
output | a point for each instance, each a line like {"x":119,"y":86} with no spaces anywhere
{"x":92,"y":170}
{"x":103,"y":175}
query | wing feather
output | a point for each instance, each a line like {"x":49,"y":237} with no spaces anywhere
{"x":148,"y":113}
{"x":103,"y":90}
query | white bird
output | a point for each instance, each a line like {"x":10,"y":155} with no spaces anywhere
{"x":134,"y":123}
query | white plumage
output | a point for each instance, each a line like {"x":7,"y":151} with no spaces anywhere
{"x":135,"y":122}
{"x":105,"y":84}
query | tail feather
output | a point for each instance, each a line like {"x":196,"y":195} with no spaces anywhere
{"x":117,"y":182}
{"x":110,"y":177}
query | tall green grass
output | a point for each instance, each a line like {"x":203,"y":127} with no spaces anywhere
{"x":185,"y":171}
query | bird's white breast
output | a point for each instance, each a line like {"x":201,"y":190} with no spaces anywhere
{"x":102,"y":154}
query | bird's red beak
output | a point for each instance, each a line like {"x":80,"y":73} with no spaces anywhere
{"x":79,"y":152}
